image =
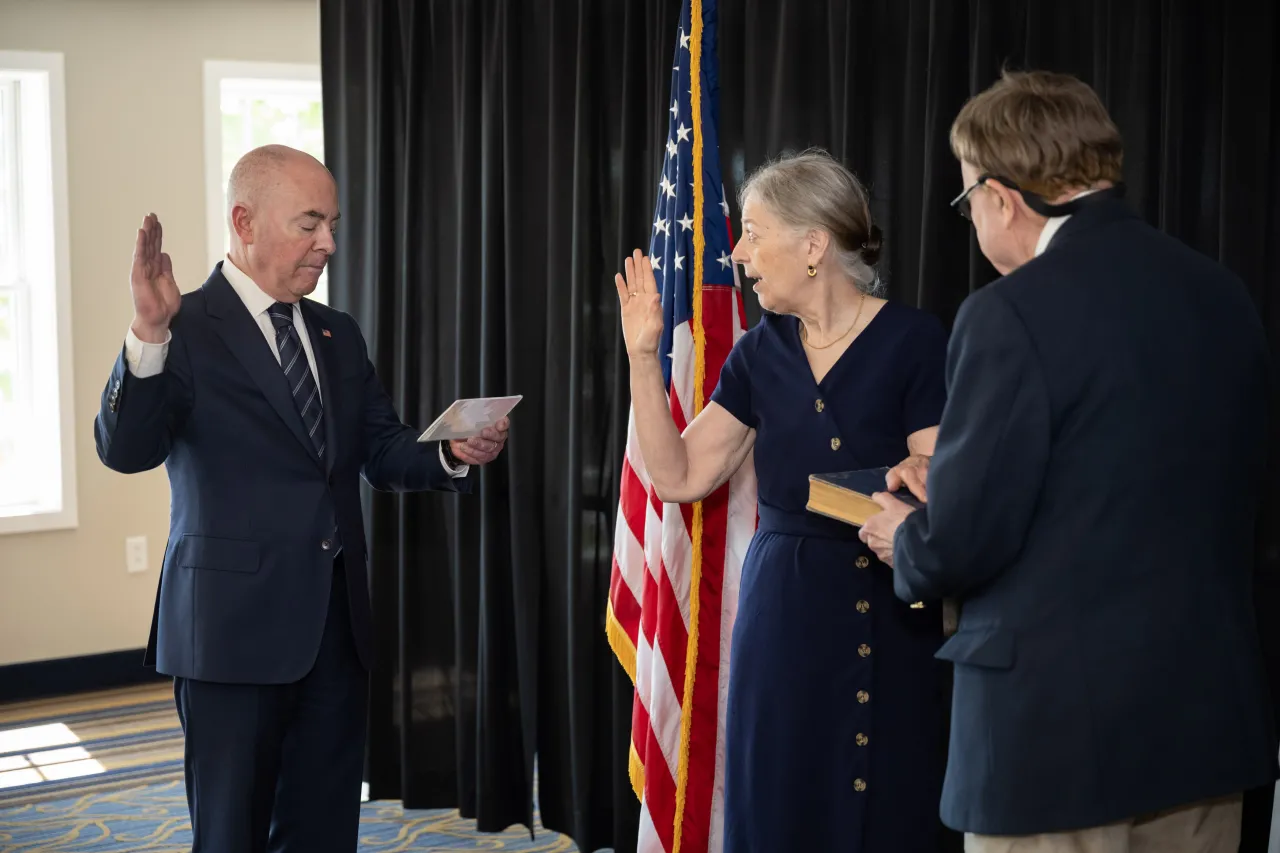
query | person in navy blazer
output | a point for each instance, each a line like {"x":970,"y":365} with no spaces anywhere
{"x":265,"y":410}
{"x":1091,"y":502}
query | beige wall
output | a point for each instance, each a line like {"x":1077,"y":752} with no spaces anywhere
{"x":135,"y":143}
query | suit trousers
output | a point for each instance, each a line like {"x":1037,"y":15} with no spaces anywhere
{"x":277,"y":768}
{"x":1207,"y":827}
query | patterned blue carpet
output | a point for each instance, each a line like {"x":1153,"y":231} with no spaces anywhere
{"x":102,"y":773}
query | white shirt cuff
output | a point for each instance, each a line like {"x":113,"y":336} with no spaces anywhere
{"x":460,"y":471}
{"x":145,"y":359}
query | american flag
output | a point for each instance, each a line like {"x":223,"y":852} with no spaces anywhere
{"x":674,"y":589}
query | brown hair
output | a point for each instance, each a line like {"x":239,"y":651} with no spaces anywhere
{"x":1045,"y":132}
{"x":814,"y":190}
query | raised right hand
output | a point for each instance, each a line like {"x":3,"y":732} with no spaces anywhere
{"x":156,"y":299}
{"x":911,"y":472}
{"x":641,"y":306}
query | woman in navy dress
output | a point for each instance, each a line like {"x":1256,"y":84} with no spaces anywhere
{"x":836,"y":712}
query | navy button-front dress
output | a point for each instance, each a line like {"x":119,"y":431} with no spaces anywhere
{"x":836,"y":714}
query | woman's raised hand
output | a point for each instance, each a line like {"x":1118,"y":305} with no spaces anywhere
{"x":641,"y":306}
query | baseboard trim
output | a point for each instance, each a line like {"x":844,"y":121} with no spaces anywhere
{"x":62,"y":676}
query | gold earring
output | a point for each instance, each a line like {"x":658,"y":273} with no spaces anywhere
{"x":812,"y":270}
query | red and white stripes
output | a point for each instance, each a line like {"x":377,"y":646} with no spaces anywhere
{"x":672,"y":601}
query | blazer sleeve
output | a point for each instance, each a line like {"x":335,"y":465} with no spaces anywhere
{"x":394,"y":459}
{"x":989,"y":462}
{"x":139,"y":417}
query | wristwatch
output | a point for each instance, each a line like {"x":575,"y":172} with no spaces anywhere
{"x":447,"y":450}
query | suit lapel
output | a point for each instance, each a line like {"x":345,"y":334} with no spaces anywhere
{"x":320,"y":343}
{"x":242,"y":335}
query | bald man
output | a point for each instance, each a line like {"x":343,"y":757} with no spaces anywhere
{"x":265,"y":410}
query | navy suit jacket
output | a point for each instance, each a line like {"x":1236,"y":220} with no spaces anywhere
{"x":244,"y":589}
{"x":1092,"y":501}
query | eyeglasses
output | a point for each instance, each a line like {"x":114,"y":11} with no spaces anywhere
{"x":1034,"y":201}
{"x":961,"y":202}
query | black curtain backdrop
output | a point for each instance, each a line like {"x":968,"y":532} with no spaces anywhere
{"x":497,"y":158}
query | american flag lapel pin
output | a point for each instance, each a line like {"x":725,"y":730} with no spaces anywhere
{"x":325,"y":332}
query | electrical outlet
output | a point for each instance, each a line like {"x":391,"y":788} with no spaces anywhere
{"x":135,"y":554}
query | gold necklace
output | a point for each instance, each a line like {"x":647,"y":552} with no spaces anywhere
{"x":804,"y":330}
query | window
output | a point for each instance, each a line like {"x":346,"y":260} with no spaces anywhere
{"x":37,"y":436}
{"x":248,"y":104}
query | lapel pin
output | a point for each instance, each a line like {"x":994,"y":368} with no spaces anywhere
{"x":325,"y":332}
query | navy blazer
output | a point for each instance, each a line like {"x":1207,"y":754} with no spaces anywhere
{"x":244,"y":589}
{"x":1092,"y":502}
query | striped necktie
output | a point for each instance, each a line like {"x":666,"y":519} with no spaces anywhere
{"x":306,"y":395}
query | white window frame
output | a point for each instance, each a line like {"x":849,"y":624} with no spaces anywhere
{"x":44,"y":199}
{"x":215,"y":72}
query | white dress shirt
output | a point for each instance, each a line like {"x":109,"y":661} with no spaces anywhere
{"x":147,"y":359}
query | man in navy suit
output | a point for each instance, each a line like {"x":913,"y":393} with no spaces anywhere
{"x":1091,"y":502}
{"x":266,"y":411}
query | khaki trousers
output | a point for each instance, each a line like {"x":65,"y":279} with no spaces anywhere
{"x":1208,"y":827}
